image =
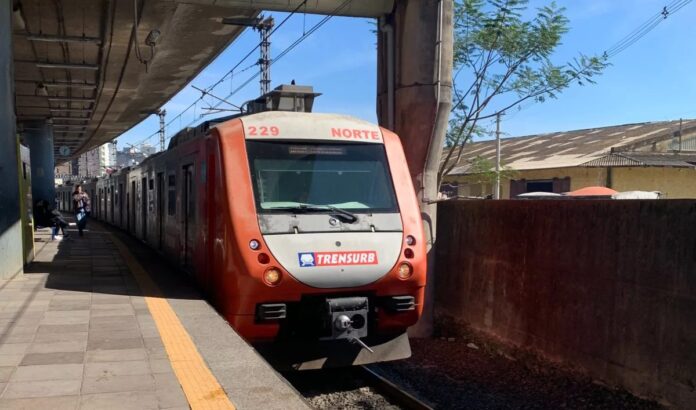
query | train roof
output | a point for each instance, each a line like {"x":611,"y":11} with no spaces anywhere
{"x":201,"y":129}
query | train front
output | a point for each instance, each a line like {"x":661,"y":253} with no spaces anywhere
{"x":335,"y":257}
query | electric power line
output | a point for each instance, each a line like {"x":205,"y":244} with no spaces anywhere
{"x":631,"y":38}
{"x":645,"y":28}
{"x":290,"y":47}
{"x":225,"y":76}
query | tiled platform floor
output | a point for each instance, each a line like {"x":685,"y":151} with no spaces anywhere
{"x":76,"y":333}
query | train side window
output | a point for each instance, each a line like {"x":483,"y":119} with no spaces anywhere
{"x":171,"y":195}
{"x":151,"y":184}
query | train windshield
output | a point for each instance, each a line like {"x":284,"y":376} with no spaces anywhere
{"x":290,"y":176}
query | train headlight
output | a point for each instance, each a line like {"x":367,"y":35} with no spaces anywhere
{"x":254,"y":245}
{"x":272,"y":276}
{"x":405,"y":271}
{"x":410,"y":240}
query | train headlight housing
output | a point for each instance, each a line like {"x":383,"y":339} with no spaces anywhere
{"x":272,"y":276}
{"x":410,"y":240}
{"x":254,"y":245}
{"x":263,"y":258}
{"x":405,"y":271}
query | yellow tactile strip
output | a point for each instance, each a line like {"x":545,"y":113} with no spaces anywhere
{"x":200,"y":386}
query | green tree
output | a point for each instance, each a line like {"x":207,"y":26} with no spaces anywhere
{"x":501,"y":60}
{"x":483,"y":171}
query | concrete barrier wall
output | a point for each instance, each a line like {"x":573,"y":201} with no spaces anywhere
{"x":608,"y":286}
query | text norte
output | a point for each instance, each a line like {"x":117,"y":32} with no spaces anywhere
{"x":352,"y":133}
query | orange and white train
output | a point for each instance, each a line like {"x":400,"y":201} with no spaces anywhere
{"x":302,"y":229}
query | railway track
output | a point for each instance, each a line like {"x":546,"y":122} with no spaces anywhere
{"x":357,"y":387}
{"x":396,"y":394}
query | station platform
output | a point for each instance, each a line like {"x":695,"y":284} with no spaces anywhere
{"x":100,"y":322}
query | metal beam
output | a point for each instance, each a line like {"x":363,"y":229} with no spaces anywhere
{"x":67,"y":66}
{"x":71,"y":85}
{"x":63,"y":39}
{"x":67,"y":109}
{"x":71,"y":99}
{"x":372,"y":8}
{"x":71,"y":118}
{"x":57,"y":83}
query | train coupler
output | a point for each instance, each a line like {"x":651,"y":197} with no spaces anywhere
{"x":347,"y":318}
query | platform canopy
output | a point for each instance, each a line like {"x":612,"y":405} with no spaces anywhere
{"x":81,"y":65}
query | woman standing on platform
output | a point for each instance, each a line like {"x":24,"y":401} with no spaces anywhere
{"x":81,"y":207}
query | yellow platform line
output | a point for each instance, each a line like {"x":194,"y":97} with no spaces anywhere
{"x":200,"y":386}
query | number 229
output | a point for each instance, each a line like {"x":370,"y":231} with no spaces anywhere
{"x":264,"y":131}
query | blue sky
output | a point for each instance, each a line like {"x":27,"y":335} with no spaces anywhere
{"x":651,"y":81}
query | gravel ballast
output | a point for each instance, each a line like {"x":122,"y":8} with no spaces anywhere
{"x":338,"y":389}
{"x":470,"y":373}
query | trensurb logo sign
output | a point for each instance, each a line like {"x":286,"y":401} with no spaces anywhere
{"x":306,"y":259}
{"x":312,"y":259}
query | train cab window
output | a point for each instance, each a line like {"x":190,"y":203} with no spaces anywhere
{"x":349,"y":176}
{"x":171,"y":195}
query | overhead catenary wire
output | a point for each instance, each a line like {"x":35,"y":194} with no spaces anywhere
{"x":290,"y":47}
{"x":632,"y":37}
{"x":223,"y":78}
{"x":280,"y":55}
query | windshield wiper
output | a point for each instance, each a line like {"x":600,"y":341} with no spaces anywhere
{"x":351,"y":217}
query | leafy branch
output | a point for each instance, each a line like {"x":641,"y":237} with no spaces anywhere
{"x":502,"y":60}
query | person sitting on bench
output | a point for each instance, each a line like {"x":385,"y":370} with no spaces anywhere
{"x":59,"y":224}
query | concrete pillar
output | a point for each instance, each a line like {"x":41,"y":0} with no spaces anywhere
{"x":10,"y":223}
{"x":38,"y":136}
{"x":414,"y":99}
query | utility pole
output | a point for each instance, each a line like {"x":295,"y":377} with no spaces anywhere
{"x":496,"y":194}
{"x":161,"y":114}
{"x":680,"y":135}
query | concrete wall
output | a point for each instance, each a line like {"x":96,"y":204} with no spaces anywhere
{"x":608,"y":286}
{"x":580,"y":177}
{"x":674,"y":183}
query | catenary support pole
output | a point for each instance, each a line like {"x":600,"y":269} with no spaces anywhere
{"x":10,"y":222}
{"x":161,"y":114}
{"x":422,"y":99}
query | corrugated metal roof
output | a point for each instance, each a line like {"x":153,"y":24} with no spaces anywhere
{"x":644,"y":159}
{"x":574,"y":148}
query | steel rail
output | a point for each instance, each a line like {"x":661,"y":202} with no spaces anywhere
{"x":403,"y":398}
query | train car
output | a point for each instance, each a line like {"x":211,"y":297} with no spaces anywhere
{"x":119,"y":183}
{"x":302,"y":229}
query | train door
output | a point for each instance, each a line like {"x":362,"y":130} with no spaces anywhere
{"x":120,"y":205}
{"x":160,"y":209}
{"x":111,"y":205}
{"x":131,"y":213}
{"x":211,"y":217}
{"x":189,"y":215}
{"x":143,"y":207}
{"x":91,"y":197}
{"x":100,"y":213}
